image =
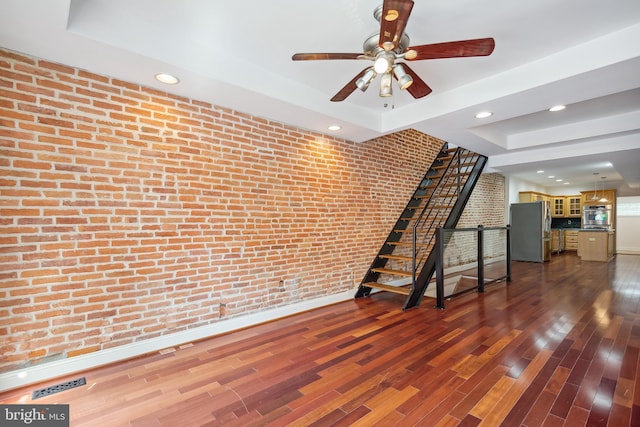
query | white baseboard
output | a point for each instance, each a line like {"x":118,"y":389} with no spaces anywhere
{"x":625,"y":251}
{"x":45,"y":371}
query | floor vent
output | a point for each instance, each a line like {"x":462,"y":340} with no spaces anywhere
{"x":58,"y":388}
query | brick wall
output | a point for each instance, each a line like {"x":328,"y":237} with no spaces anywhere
{"x":127,"y":213}
{"x":486,"y":208}
{"x":486,"y":205}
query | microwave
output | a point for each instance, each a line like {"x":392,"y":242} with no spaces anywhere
{"x":596,"y":216}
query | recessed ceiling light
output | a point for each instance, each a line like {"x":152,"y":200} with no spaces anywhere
{"x":334,"y":128}
{"x":167,"y":78}
{"x":566,"y":182}
{"x":551,"y":176}
{"x":558,"y":180}
{"x":557,"y":108}
{"x":484,"y":114}
{"x":540,"y":171}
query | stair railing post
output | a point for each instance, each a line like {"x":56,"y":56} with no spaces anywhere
{"x":439,"y":269}
{"x":508,"y":253}
{"x":459,"y":175}
{"x":414,"y":254}
{"x":480,"y":258}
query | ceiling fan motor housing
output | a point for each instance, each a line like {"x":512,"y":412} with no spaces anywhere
{"x":371,"y":47}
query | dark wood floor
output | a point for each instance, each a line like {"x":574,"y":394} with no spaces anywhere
{"x":558,"y":346}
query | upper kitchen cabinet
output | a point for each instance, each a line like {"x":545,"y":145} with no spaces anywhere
{"x":561,"y":206}
{"x":566,"y":206}
{"x":573,"y":206}
{"x":558,"y":207}
{"x":594,"y":197}
{"x":532,"y":196}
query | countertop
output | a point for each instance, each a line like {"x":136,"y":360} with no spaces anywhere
{"x":596,"y":230}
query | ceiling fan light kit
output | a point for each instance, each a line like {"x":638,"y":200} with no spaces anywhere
{"x":363,"y":82}
{"x":383,"y":62}
{"x":404,"y":80}
{"x":390,"y":45}
{"x":385,"y":85}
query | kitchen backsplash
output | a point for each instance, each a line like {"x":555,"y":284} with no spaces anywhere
{"x":565,"y":222}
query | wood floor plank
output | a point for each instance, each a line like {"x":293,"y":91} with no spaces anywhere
{"x":539,"y":410}
{"x":480,"y":389}
{"x":535,"y":388}
{"x":383,"y":404}
{"x":468,"y":367}
{"x":490,"y":400}
{"x":558,"y":345}
{"x":518,"y":387}
{"x":577,"y":417}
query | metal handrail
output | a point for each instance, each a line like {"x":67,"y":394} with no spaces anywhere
{"x":439,"y":270}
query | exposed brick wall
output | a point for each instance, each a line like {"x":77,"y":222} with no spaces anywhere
{"x":127,"y":213}
{"x":486,"y":204}
{"x":485,"y":207}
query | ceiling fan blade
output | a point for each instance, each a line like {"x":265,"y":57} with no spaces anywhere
{"x":395,"y":14}
{"x":474,"y":47}
{"x":348,"y":88}
{"x":319,"y":56}
{"x":418,"y":88}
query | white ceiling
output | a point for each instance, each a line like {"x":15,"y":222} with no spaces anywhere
{"x":582,"y":53}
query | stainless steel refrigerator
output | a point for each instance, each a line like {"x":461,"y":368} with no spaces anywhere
{"x":530,"y":231}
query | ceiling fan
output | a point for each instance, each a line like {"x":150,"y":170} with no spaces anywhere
{"x":389,"y":46}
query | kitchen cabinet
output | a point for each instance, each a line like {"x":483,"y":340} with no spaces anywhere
{"x":532,"y":196}
{"x":610,"y":195}
{"x":588,"y":197}
{"x":573,"y":206}
{"x":556,"y":237}
{"x":595,"y":245}
{"x":558,"y":205}
{"x":561,"y":206}
{"x":566,"y":206}
{"x":571,"y":240}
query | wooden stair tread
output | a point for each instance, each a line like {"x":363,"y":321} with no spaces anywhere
{"x":457,"y":165}
{"x":396,"y":257}
{"x":432,"y":186}
{"x":431,"y":196}
{"x":394,"y":272}
{"x":441,"y":207}
{"x":396,"y":289}
{"x":427,"y":196}
{"x":407,"y":244}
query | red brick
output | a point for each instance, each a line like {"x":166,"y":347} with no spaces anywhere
{"x":121,"y":201}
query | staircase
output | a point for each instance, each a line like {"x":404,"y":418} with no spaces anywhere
{"x":406,"y":262}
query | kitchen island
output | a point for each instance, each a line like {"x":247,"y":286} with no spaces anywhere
{"x":595,"y":244}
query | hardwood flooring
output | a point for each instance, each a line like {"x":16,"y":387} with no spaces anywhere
{"x":558,"y":346}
